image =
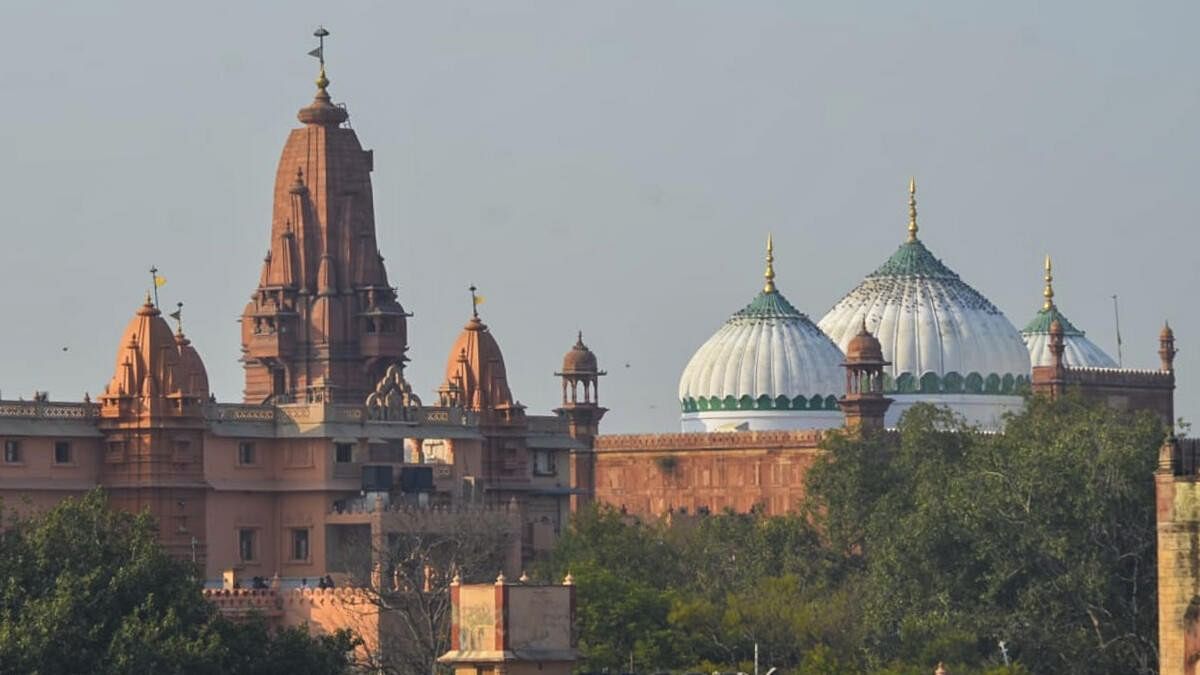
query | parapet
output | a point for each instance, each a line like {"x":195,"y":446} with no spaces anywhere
{"x":712,"y":440}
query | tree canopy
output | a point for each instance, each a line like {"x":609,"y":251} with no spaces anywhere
{"x":1032,"y":548}
{"x":85,"y":589}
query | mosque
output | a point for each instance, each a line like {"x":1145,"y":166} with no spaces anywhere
{"x":770,"y":367}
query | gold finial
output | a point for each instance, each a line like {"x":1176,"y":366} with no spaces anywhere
{"x":1048,"y":292}
{"x":912,"y":209}
{"x":769,"y":287}
{"x":322,"y":81}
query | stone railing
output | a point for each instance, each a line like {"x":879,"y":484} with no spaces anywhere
{"x":713,"y":440}
{"x":48,"y":410}
{"x":239,"y":412}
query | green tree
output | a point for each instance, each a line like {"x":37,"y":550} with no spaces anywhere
{"x":84,"y":589}
{"x":1041,"y":537}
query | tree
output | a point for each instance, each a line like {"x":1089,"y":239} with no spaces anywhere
{"x":405,"y":568}
{"x":1041,"y":537}
{"x":87,"y":589}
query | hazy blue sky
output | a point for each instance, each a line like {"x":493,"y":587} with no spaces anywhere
{"x":610,"y":166}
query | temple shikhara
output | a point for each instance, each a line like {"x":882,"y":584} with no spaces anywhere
{"x":332,"y":450}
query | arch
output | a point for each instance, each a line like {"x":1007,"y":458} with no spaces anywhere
{"x":953,"y":383}
{"x":799,"y":403}
{"x":763,"y":403}
{"x":746,"y":402}
{"x":701,"y":403}
{"x":930,"y":384}
{"x":782,"y":402}
{"x":816,"y":402}
{"x":1006,"y":384}
{"x":714,"y":402}
{"x":1022,"y":385}
{"x":831,"y":402}
{"x":974,"y":383}
{"x":991,"y":385}
{"x":905,"y":384}
{"x":730,"y":403}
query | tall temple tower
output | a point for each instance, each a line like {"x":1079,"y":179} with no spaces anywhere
{"x":323,"y":324}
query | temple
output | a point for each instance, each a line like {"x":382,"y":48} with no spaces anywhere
{"x":332,"y":448}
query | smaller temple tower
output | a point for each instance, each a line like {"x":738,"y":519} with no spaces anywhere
{"x":864,"y":403}
{"x":580,"y":367}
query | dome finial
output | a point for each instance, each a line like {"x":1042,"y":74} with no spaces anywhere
{"x":319,"y":52}
{"x":1048,"y":292}
{"x":769,"y":287}
{"x":912,"y":209}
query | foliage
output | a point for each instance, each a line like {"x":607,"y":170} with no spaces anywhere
{"x":87,"y":589}
{"x":936,"y":543}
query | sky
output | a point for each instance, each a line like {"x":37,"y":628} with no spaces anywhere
{"x":612,"y":167}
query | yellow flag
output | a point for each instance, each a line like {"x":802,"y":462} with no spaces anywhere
{"x":159,"y":281}
{"x":478,"y":299}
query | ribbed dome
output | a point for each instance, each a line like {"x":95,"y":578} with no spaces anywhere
{"x":768,"y":354}
{"x":1078,"y":352}
{"x":940,"y":334}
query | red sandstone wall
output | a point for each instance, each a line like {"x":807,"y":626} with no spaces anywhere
{"x":652,"y":474}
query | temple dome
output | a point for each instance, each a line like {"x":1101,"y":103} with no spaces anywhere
{"x":475,"y":374}
{"x":1078,"y":351}
{"x":943,"y":338}
{"x":767,"y":367}
{"x":152,"y":362}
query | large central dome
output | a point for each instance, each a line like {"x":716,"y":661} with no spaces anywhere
{"x":767,"y":367}
{"x":945,"y":340}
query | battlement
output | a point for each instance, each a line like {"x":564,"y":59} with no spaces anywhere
{"x":712,"y":440}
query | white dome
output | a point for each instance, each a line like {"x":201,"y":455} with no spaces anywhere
{"x":767,"y":358}
{"x":1078,"y":351}
{"x":940,"y":334}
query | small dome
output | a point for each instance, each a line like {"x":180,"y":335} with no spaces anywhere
{"x":864,"y":348}
{"x":475,"y":369}
{"x":1078,"y":351}
{"x":580,"y":360}
{"x":152,"y":362}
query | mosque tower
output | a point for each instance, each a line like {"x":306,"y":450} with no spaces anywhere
{"x":324,"y":324}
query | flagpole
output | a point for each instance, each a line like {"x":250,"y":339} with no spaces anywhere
{"x":154,"y":283}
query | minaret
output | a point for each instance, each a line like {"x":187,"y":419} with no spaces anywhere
{"x":583,"y":413}
{"x":1166,"y":348}
{"x":864,"y":403}
{"x":324,"y":324}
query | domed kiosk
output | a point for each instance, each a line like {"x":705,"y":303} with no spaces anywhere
{"x":767,"y":367}
{"x":947,"y":344}
{"x":1078,"y":351}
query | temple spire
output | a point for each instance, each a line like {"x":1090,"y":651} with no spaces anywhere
{"x":912,"y":209}
{"x":769,"y":275}
{"x":1048,"y":292}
